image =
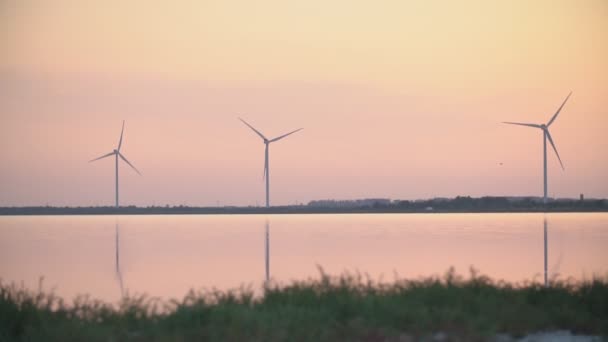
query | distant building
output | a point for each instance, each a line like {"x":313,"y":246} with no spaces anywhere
{"x":351,"y":204}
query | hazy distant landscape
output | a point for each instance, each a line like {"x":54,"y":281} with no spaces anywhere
{"x":270,"y":170}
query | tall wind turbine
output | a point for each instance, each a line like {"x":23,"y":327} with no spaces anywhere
{"x":266,"y":167}
{"x":546,"y":135}
{"x":117,"y":154}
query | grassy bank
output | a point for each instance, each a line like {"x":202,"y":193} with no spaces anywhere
{"x":326,"y":309}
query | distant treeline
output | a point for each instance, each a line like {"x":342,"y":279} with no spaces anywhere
{"x":500,"y":204}
{"x":443,"y":205}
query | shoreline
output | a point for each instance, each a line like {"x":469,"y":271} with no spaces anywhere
{"x":458,"y":204}
{"x":142,"y":212}
{"x":76,"y":211}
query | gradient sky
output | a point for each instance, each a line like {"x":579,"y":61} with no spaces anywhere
{"x":398,"y":99}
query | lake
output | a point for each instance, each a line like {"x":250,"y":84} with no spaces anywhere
{"x":166,"y":255}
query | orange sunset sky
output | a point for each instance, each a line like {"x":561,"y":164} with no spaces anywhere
{"x":398,"y":99}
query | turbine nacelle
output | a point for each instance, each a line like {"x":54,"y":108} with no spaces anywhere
{"x":266,"y":140}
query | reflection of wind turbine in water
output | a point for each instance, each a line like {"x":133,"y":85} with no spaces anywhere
{"x":556,"y":266}
{"x":118,"y":273}
{"x":267,"y":251}
{"x":545,"y":233}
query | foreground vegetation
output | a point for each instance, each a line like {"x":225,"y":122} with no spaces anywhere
{"x":349,"y":307}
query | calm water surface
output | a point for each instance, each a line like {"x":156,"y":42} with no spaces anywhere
{"x":165,"y":256}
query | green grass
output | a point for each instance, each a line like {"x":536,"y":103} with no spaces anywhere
{"x":349,"y":307}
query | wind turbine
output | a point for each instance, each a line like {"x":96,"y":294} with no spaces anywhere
{"x":117,"y":154}
{"x":266,"y":167}
{"x":546,"y":135}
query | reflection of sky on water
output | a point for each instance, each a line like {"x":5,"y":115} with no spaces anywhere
{"x":167,"y":255}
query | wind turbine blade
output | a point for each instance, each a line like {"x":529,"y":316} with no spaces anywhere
{"x":255,"y":130}
{"x":104,"y":156}
{"x":284,"y":135}
{"x":121,"y":132}
{"x":131,"y":165}
{"x":522,"y":124}
{"x":559,"y":110}
{"x":555,"y":149}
